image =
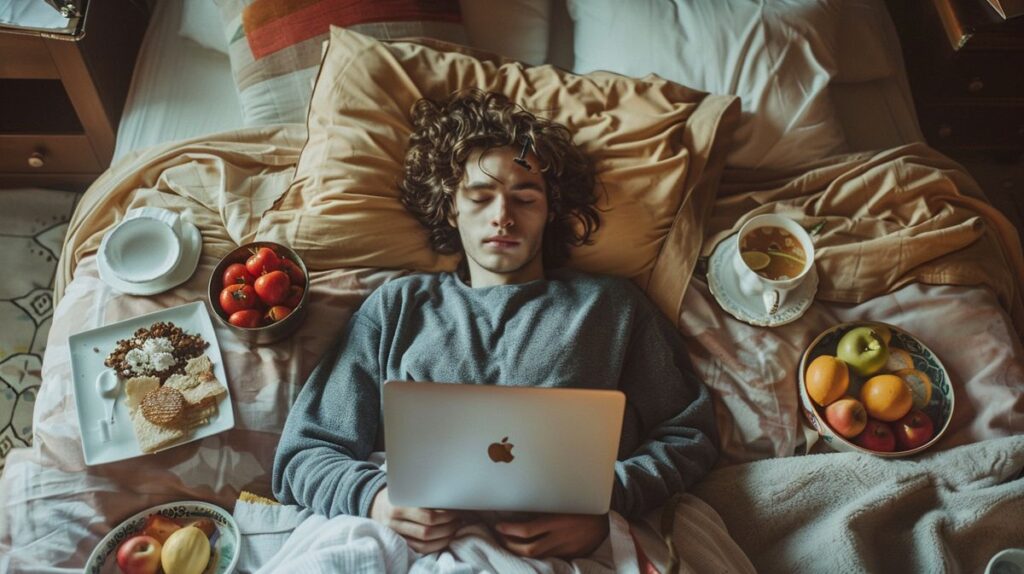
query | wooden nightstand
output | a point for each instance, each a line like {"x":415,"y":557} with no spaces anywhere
{"x":61,"y":101}
{"x":966,"y":70}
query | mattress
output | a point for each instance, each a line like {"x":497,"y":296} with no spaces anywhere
{"x":179,"y":90}
{"x":58,"y":508}
{"x":182,"y":90}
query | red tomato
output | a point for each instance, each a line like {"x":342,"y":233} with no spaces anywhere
{"x":272,"y":288}
{"x":238,"y":297}
{"x":246,"y":318}
{"x":276,"y":313}
{"x":236,"y":273}
{"x":294,"y":272}
{"x":263,"y":261}
{"x":294,"y":296}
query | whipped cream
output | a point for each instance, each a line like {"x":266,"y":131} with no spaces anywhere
{"x":153,"y":357}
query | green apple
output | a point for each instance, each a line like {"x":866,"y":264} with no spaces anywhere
{"x":864,"y":350}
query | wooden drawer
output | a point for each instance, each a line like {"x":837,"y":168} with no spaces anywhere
{"x":57,"y":154}
{"x":960,"y":125}
{"x":974,"y":75}
{"x":25,"y":57}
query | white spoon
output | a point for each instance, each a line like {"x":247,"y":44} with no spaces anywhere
{"x":108,"y":385}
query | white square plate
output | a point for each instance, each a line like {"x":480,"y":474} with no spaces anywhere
{"x":88,"y":351}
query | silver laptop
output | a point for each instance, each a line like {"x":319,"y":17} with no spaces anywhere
{"x":482,"y":447}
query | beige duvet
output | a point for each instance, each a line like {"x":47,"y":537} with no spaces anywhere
{"x":908,"y":239}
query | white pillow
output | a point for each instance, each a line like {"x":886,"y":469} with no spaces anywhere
{"x":516,"y":29}
{"x":200,"y":22}
{"x":777,"y":55}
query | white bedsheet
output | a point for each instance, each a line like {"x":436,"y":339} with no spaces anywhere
{"x":180,"y":89}
{"x":278,"y":538}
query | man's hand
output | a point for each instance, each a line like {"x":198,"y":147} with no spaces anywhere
{"x":554,"y":535}
{"x":425,"y":530}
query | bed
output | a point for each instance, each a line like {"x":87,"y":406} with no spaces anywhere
{"x":909,"y":240}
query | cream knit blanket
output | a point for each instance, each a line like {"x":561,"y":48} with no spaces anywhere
{"x":845,"y":512}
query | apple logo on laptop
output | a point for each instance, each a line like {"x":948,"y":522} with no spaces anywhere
{"x":500,"y":451}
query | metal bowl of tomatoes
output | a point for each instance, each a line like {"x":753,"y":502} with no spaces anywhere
{"x":259,"y":291}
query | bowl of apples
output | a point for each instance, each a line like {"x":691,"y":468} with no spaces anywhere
{"x":873,"y":388}
{"x":259,"y":291}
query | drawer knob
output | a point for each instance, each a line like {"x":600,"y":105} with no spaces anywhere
{"x":945,"y":131}
{"x":36,"y":160}
{"x":975,"y":85}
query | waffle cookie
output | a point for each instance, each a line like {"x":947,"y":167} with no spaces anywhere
{"x":164,"y":414}
{"x":164,"y":406}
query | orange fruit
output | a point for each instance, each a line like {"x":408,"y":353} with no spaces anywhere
{"x":826,"y":379}
{"x":898,"y":360}
{"x":886,"y":397}
{"x":920,"y":385}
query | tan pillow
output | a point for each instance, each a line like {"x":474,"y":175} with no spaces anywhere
{"x":658,"y":149}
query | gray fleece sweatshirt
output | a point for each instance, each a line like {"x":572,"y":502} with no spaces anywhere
{"x":570,"y":330}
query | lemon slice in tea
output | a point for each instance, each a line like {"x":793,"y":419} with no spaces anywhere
{"x":756,"y":260}
{"x":920,"y":386}
{"x":789,"y":256}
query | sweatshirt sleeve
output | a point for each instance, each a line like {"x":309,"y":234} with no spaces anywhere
{"x":671,"y":414}
{"x":332,"y":427}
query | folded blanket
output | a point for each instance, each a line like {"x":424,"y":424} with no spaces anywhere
{"x":223,"y":184}
{"x":890,"y":218}
{"x":847,"y":512}
{"x":289,"y":539}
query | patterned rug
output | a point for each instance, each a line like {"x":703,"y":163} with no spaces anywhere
{"x":33,"y":223}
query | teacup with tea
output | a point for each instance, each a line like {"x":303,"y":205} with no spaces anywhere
{"x":773,"y":257}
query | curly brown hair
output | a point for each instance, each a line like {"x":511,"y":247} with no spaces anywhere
{"x":444,"y":135}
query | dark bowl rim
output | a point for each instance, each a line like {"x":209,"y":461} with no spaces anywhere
{"x":291,"y":253}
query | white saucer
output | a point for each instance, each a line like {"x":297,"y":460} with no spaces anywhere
{"x":191,"y":247}
{"x":724,"y":285}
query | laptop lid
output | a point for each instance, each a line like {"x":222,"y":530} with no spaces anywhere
{"x":483,"y":447}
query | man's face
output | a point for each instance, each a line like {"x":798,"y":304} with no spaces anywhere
{"x":501,"y":210}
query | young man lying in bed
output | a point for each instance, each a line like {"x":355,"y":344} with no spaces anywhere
{"x":511,"y":193}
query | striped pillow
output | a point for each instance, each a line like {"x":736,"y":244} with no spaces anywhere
{"x":275,"y":46}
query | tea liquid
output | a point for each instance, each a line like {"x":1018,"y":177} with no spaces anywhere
{"x":785,"y":255}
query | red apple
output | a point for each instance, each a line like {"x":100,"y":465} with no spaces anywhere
{"x":139,"y":555}
{"x":847,"y":417}
{"x":913,"y":430}
{"x":877,"y":436}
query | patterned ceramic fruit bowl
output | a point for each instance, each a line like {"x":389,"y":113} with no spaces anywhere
{"x":259,"y":292}
{"x":224,"y":537}
{"x":872,"y":425}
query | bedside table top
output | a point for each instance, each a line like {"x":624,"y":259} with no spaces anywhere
{"x":38,"y":18}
